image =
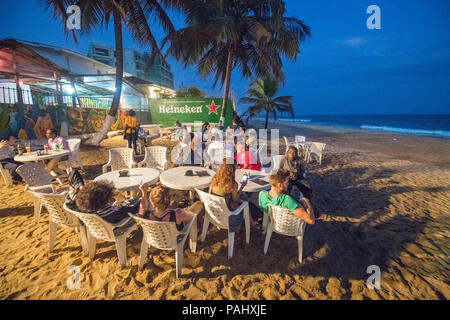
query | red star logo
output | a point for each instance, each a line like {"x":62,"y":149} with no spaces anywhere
{"x":212,"y":108}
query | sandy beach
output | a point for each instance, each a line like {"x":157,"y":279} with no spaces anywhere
{"x":381,"y":199}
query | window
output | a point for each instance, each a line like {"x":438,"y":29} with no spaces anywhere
{"x":101,"y":52}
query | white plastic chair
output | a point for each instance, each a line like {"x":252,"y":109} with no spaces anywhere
{"x":286,"y":141}
{"x":74,"y":155}
{"x":36,"y":178}
{"x":6,"y":176}
{"x":217,"y":213}
{"x":97,"y":228}
{"x":119,"y":158}
{"x":155,"y":157}
{"x":60,"y":217}
{"x":283,"y":221}
{"x":262,"y":154}
{"x":165,"y":236}
{"x":316,"y":149}
{"x":300,"y":139}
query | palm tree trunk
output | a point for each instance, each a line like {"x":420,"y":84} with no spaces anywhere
{"x":109,"y":120}
{"x":227,"y":82}
{"x":267,"y":119}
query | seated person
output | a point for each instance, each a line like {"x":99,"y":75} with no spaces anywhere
{"x":142,"y":136}
{"x":224,"y":184}
{"x":156,"y":207}
{"x":7,"y":153}
{"x":293,"y":164}
{"x":275,"y":196}
{"x":97,"y":198}
{"x":246,"y":159}
{"x":53,"y":141}
{"x":177,"y":124}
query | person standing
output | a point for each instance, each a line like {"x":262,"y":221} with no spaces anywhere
{"x":131,"y":130}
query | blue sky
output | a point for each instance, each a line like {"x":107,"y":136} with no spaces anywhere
{"x":344,"y":67}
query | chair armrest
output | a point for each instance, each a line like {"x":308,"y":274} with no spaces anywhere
{"x":240,"y":208}
{"x":105,"y":167}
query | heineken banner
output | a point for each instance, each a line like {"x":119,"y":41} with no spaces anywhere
{"x":188,"y":110}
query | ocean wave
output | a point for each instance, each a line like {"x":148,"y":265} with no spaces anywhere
{"x":407,"y":130}
{"x":295,"y":120}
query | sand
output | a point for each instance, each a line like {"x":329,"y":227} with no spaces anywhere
{"x":379,"y":201}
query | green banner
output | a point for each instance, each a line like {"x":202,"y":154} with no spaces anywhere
{"x":188,"y":110}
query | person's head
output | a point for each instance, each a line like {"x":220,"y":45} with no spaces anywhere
{"x":234,"y":122}
{"x":240,"y":148}
{"x":12,"y":140}
{"x":291,"y":153}
{"x":94,"y":195}
{"x":160,"y":198}
{"x":279,"y":181}
{"x":51,"y":133}
{"x":225,"y":176}
{"x":131,"y":113}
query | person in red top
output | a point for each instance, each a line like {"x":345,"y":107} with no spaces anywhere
{"x":246,"y":159}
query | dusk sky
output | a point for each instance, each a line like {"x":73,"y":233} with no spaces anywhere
{"x":344,"y":67}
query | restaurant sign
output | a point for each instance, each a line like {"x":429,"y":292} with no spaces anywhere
{"x":188,"y":110}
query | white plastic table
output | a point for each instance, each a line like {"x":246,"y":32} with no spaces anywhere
{"x":253,"y":186}
{"x":175,"y":179}
{"x":33,"y":157}
{"x":130,"y":183}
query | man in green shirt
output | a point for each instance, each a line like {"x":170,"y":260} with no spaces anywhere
{"x":279,"y":183}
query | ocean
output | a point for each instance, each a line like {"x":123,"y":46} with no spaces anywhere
{"x":437,"y":125}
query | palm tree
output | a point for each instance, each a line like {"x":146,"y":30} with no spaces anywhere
{"x":261,"y":96}
{"x":221,"y":35}
{"x":133,"y":14}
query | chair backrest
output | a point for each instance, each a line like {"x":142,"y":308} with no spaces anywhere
{"x":74,"y":145}
{"x":6,"y":176}
{"x":300,"y":139}
{"x":262,"y":154}
{"x":155,"y":156}
{"x":276,"y":162}
{"x":285,"y":222}
{"x":216,"y":208}
{"x":97,"y":227}
{"x":159,"y":234}
{"x":121,"y":158}
{"x":153,"y":130}
{"x":317,"y":147}
{"x":54,"y":204}
{"x":35,"y":175}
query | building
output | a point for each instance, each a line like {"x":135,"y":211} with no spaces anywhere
{"x":134,"y":63}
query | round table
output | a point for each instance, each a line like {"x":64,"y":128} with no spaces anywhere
{"x":33,"y":156}
{"x":253,"y":186}
{"x":175,"y":179}
{"x":136,"y":175}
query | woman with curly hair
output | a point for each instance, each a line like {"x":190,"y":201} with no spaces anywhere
{"x":97,"y":198}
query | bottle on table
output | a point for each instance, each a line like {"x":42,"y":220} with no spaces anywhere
{"x":19,"y":150}
{"x":56,"y":146}
{"x":45,"y":148}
